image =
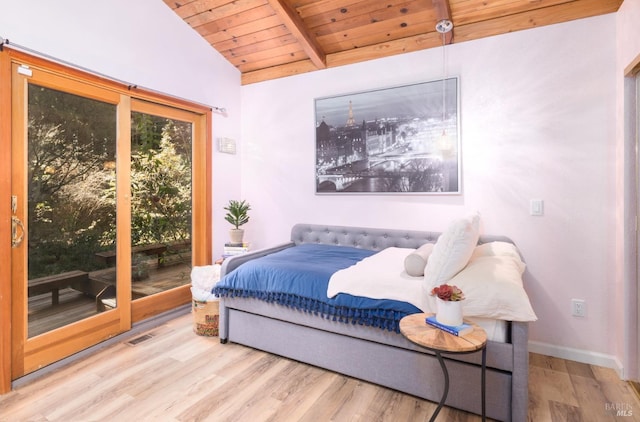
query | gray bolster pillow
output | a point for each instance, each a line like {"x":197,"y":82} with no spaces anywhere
{"x":416,"y":261}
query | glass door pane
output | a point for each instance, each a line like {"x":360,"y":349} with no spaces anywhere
{"x":71,"y":206}
{"x":161,"y":203}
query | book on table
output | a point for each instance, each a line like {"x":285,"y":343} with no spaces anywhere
{"x":232,"y":249}
{"x":456,"y":330}
{"x":240,"y":245}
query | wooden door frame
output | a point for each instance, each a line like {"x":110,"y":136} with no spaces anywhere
{"x":202,"y":215}
{"x":31,"y":353}
{"x":631,"y":233}
{"x":144,"y":308}
{"x":636,"y":379}
{"x":5,"y":222}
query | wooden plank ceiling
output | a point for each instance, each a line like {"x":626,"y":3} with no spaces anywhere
{"x":268,"y":39}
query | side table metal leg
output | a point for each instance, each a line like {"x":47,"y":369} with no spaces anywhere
{"x":446,"y":387}
{"x":484,"y":383}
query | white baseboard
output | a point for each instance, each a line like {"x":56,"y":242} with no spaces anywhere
{"x":578,"y":355}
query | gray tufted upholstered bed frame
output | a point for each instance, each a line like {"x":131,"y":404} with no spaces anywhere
{"x":374,"y":355}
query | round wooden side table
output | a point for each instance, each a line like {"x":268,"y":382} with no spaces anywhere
{"x":416,"y":330}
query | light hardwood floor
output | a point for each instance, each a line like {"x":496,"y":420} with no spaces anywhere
{"x":175,"y":375}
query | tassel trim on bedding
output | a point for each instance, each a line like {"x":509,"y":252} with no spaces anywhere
{"x":379,"y":318}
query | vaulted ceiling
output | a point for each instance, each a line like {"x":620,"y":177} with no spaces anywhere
{"x":268,"y":39}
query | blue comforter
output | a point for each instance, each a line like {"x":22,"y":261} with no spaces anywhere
{"x":298,"y":277}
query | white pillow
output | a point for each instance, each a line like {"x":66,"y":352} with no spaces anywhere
{"x":452,"y":251}
{"x":492,"y":286}
{"x":416,"y":261}
{"x":496,"y":249}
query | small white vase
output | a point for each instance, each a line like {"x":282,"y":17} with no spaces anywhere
{"x":449,"y":312}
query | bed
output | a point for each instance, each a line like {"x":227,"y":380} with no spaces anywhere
{"x":367,"y":345}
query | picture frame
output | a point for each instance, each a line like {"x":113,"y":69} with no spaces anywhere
{"x":398,"y":140}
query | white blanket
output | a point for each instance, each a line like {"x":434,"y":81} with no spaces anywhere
{"x":381,"y":276}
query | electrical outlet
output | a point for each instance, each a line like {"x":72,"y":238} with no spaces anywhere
{"x":578,"y":307}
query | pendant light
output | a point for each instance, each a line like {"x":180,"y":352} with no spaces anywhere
{"x":443,"y":27}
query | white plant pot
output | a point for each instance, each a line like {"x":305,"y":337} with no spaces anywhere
{"x":449,"y":312}
{"x":236,"y":235}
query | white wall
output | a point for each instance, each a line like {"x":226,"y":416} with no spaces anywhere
{"x":144,"y":43}
{"x":537,"y":116}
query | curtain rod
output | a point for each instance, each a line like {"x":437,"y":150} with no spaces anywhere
{"x":130,"y":86}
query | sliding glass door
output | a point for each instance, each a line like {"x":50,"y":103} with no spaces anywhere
{"x":161,"y":205}
{"x":168,"y":205}
{"x":64,"y":212}
{"x":107,"y":216}
{"x":70,"y":203}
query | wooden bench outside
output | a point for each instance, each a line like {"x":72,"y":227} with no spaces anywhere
{"x":109,"y":257}
{"x":54,"y":283}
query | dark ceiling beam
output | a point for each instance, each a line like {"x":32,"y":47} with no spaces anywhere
{"x":443,"y":12}
{"x":295,"y":25}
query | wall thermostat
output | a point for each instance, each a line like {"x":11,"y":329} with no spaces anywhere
{"x":227,"y":145}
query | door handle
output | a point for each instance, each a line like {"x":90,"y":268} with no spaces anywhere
{"x":16,"y":239}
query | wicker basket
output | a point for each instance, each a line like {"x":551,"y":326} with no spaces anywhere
{"x":205,"y":317}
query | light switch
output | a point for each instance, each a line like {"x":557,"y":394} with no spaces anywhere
{"x":536,"y":207}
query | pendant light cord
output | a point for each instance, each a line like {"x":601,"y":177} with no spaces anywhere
{"x":444,"y":81}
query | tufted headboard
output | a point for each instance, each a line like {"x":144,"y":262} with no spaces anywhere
{"x":359,"y":237}
{"x":370,"y":238}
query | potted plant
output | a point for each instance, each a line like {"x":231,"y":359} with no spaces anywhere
{"x":237,"y":215}
{"x":449,"y":304}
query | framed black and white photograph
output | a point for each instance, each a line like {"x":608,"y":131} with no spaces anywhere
{"x":389,"y":141}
